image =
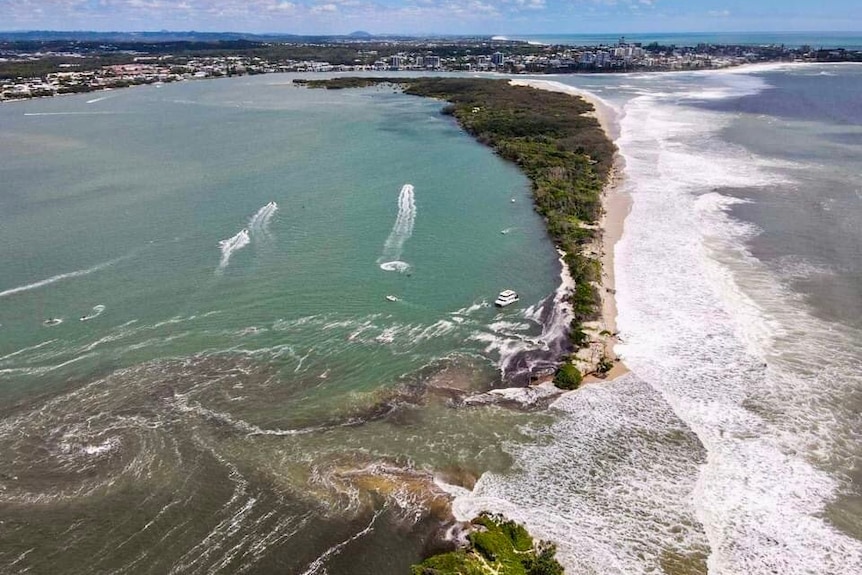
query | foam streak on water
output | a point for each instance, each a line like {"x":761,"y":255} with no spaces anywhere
{"x":401,"y":232}
{"x":57,"y":278}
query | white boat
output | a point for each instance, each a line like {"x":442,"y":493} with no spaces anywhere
{"x":506,"y":297}
{"x":391,"y":298}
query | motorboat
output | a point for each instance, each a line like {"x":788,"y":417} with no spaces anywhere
{"x":391,"y":298}
{"x":506,"y":297}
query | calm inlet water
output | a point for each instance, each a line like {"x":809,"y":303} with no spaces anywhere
{"x":225,"y":387}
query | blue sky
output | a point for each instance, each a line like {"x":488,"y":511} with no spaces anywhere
{"x":434,"y":16}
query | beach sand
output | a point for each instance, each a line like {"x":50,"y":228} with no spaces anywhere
{"x":617,"y":204}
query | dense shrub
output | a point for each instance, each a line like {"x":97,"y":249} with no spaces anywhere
{"x":568,"y":377}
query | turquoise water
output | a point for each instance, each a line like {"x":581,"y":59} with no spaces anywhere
{"x":225,"y":385}
{"x":147,"y":182}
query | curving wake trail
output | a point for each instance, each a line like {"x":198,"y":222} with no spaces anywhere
{"x":258,"y":225}
{"x":390,"y":260}
{"x":258,"y":228}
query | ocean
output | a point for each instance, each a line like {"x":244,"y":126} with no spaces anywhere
{"x":731,"y":447}
{"x":847,"y":40}
{"x":230,"y":391}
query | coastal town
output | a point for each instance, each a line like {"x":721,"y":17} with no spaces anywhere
{"x":31,"y":69}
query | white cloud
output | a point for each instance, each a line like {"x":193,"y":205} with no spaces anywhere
{"x":531,"y":4}
{"x":282,"y":7}
{"x":323,"y":8}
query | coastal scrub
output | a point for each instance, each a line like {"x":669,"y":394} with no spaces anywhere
{"x":496,"y":547}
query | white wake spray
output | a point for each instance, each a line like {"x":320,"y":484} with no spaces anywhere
{"x":230,"y":245}
{"x":258,"y":225}
{"x":401,"y":232}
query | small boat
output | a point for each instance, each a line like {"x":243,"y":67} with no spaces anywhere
{"x":52,"y":321}
{"x":391,"y":298}
{"x":506,"y":297}
{"x":513,"y":200}
{"x":97,"y":311}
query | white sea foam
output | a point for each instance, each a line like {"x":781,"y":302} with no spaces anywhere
{"x":230,"y":245}
{"x":507,"y":340}
{"x":701,"y":332}
{"x":609,"y":481}
{"x":57,"y":278}
{"x":26,"y":349}
{"x":465,"y":311}
{"x":395,"y":266}
{"x":725,"y":359}
{"x":401,"y":232}
{"x":318,"y":566}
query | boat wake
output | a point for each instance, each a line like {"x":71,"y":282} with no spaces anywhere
{"x":401,"y":232}
{"x":230,"y":245}
{"x":97,"y":311}
{"x":258,"y":228}
{"x":395,"y":266}
{"x":258,"y":225}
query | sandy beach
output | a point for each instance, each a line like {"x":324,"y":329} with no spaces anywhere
{"x":617,"y":204}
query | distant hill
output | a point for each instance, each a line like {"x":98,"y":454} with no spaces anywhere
{"x":160,"y":36}
{"x":175,"y":36}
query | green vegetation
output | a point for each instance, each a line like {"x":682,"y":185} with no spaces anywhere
{"x":498,"y":546}
{"x":568,"y":377}
{"x":563,"y":151}
{"x":339,"y":83}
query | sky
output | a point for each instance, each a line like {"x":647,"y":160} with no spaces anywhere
{"x":506,"y":17}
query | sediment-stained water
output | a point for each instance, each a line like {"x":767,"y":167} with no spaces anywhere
{"x":221,"y":384}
